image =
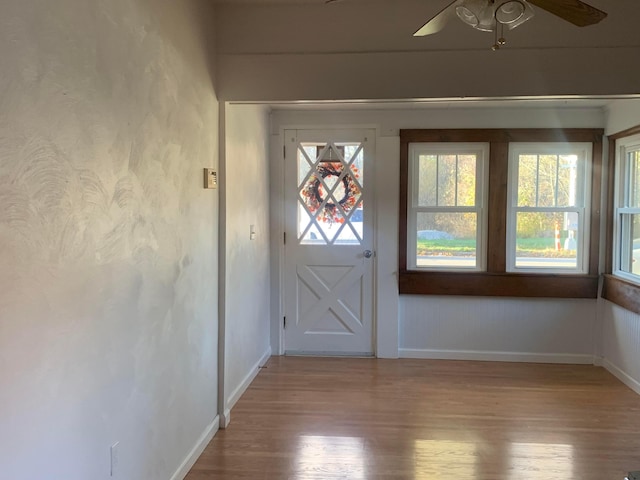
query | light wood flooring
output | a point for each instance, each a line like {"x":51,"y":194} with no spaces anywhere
{"x":328,"y":418}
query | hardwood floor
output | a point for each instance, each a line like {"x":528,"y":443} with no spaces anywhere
{"x":328,"y":418}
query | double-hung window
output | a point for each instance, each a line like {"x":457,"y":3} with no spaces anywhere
{"x":506,"y":212}
{"x":447,"y":206}
{"x":548,"y":209}
{"x":627,"y":210}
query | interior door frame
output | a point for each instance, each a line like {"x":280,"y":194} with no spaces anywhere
{"x":384,"y":333}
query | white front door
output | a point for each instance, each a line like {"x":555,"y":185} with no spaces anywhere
{"x":329,"y":242}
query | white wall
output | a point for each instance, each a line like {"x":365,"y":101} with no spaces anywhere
{"x":622,"y":114}
{"x":246,"y":264}
{"x":503,"y":329}
{"x":554,"y":330}
{"x":108,"y":242}
{"x":621,"y":328}
{"x":365,"y":50}
{"x":621,"y":343}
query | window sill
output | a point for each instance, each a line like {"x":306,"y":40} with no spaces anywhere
{"x":621,"y":292}
{"x":499,"y":284}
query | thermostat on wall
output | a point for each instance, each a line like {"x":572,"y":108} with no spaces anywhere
{"x":210,"y":178}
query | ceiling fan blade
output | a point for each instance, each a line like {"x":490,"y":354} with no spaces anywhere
{"x":573,"y":11}
{"x":438,"y":22}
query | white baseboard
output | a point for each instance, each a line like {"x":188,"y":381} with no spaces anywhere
{"x":240,"y":389}
{"x":197,"y":450}
{"x":225,"y":418}
{"x":623,"y":376}
{"x":578,"y":359}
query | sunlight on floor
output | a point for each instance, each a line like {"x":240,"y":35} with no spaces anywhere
{"x":344,"y":457}
{"x":441,"y":459}
{"x":445,"y":459}
{"x":548,"y":460}
{"x":331,"y":457}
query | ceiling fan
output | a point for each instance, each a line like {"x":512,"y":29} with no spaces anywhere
{"x":495,"y":15}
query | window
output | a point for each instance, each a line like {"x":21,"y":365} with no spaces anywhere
{"x":447,"y":216}
{"x":526,"y":223}
{"x":627,"y":210}
{"x":548,"y":213}
{"x":330,"y":203}
{"x":622,"y":280}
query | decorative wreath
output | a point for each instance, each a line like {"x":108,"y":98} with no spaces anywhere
{"x":314,"y":194}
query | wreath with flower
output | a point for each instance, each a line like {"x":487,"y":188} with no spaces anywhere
{"x":314,"y":194}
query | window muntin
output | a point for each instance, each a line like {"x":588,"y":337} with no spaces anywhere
{"x":447,"y":214}
{"x":548,"y":209}
{"x":330,"y":203}
{"x":627,"y":210}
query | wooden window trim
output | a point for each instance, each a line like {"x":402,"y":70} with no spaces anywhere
{"x":615,"y":289}
{"x":621,"y":292}
{"x":496,"y":281}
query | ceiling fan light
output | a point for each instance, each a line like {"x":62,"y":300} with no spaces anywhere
{"x":467,"y":15}
{"x":485,"y":15}
{"x":487,"y":19}
{"x":510,"y":12}
{"x":526,"y":15}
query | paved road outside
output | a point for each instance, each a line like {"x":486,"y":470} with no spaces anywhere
{"x":523,"y":262}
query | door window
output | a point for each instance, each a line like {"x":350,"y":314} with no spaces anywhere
{"x":330,"y":183}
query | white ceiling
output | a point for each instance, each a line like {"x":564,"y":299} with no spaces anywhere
{"x":310,"y":26}
{"x":364,"y":49}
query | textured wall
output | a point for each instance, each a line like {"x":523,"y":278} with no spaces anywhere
{"x":108,"y":243}
{"x":247,"y":304}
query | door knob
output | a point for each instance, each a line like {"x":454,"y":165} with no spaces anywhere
{"x":368,"y":254}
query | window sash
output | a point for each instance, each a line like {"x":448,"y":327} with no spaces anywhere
{"x":623,"y":241}
{"x":481,"y":153}
{"x":583,"y":151}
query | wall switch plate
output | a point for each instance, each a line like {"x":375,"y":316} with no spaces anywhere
{"x":252,"y":232}
{"x":210,"y":178}
{"x":115,"y":459}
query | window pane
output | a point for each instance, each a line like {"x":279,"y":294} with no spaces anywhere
{"x":630,"y":251}
{"x":536,"y":243}
{"x":352,"y":233}
{"x":567,"y":181}
{"x":446,"y":240}
{"x":428,"y":180}
{"x":466,"y":193}
{"x":547,"y":171}
{"x":306,"y":161}
{"x":447,"y":180}
{"x":527,"y":180}
{"x":548,"y":181}
{"x":354,"y":157}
